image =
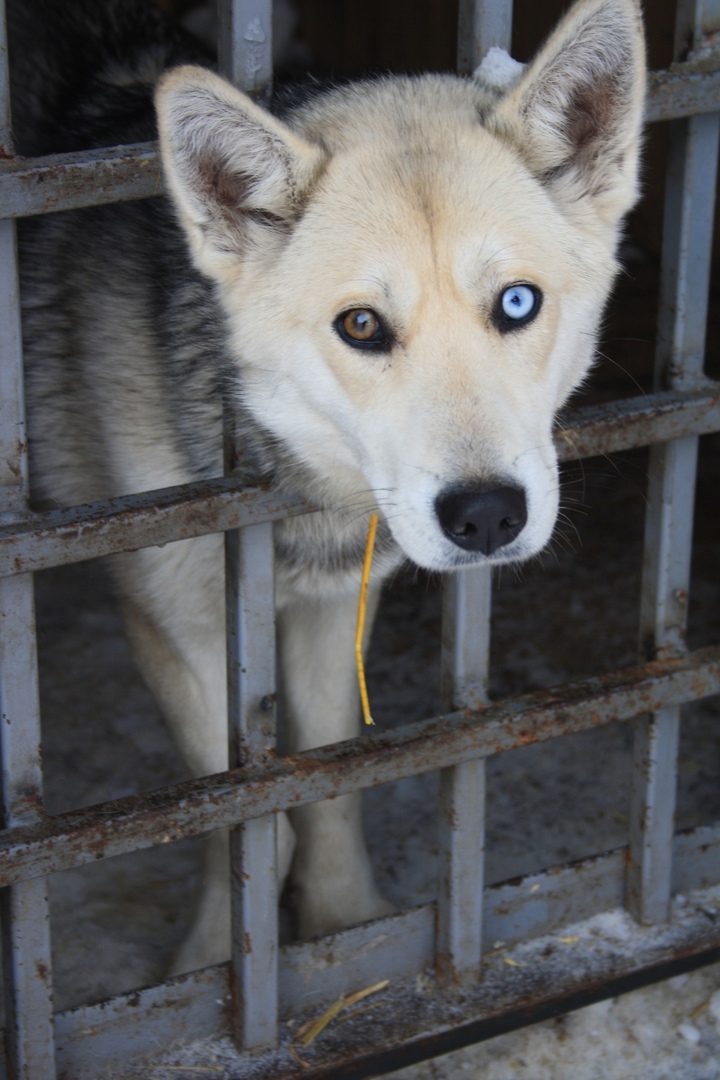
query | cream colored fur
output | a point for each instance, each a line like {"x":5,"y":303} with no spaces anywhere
{"x":421,"y":199}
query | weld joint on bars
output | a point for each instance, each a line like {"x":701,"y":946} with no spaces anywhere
{"x":69,"y":181}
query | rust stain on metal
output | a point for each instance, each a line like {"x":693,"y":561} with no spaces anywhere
{"x":42,"y":972}
{"x":623,"y":424}
{"x":124,"y":524}
{"x":226,"y":799}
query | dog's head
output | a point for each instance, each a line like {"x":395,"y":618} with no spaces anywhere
{"x":414,"y":273}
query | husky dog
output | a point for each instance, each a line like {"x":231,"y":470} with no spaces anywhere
{"x":395,"y":284}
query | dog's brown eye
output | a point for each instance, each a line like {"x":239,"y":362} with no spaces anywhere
{"x":363,"y":329}
{"x":361,"y":324}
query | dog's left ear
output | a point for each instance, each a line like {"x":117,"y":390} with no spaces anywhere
{"x":237,"y":176}
{"x":576,"y":114}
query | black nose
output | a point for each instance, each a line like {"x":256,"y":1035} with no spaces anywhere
{"x":482,"y":520}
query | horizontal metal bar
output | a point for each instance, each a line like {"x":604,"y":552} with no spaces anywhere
{"x":639,"y":421}
{"x":401,"y":1034}
{"x":67,"y":181}
{"x":202,"y":805}
{"x":59,"y":537}
{"x":315,"y":973}
{"x":131,"y":1027}
{"x":154,"y":517}
{"x":682,"y":91}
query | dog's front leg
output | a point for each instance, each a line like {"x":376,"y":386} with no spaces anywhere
{"x":331,"y":872}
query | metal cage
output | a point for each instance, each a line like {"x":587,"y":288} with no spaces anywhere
{"x":265,"y":982}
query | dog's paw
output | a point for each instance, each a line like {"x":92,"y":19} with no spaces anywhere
{"x":323,"y":914}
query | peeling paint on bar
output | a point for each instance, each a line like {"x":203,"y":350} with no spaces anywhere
{"x":44,"y":185}
{"x":59,"y":537}
{"x":641,"y":421}
{"x":68,"y":181}
{"x":681,"y":92}
{"x":125,"y":524}
{"x":315,"y":973}
{"x":198,"y":806}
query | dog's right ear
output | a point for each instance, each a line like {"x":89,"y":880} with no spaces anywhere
{"x":238,"y":177}
{"x":576,"y":113}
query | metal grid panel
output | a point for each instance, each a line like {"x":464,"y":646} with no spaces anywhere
{"x":31,"y":846}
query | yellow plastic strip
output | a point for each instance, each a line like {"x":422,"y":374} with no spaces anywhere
{"x":362,"y":611}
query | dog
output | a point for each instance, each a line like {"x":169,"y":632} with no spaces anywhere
{"x":393,"y":285}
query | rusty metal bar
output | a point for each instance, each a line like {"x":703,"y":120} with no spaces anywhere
{"x":29,"y":1027}
{"x":687,"y":251}
{"x":461,"y":840}
{"x":60,"y":537}
{"x":461,"y":837}
{"x":25,"y":919}
{"x":6,"y":142}
{"x":680,"y":92}
{"x":13,"y":438}
{"x":316,"y":973}
{"x":19,"y":704}
{"x":44,"y":185}
{"x":245,"y":57}
{"x":27,"y":965}
{"x":69,"y":181}
{"x":71,"y":535}
{"x":245,"y":45}
{"x":222,"y":800}
{"x":641,"y":421}
{"x":249,"y":573}
{"x":466,"y":658}
{"x":480,"y":26}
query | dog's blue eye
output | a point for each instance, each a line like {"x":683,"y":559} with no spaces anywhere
{"x":517,"y":305}
{"x":518,"y":301}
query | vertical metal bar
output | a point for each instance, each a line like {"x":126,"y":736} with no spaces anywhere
{"x":6,"y":147}
{"x":687,"y":238}
{"x":465,"y":655}
{"x":253,"y":846}
{"x":465,"y":662}
{"x":687,"y":245}
{"x":480,"y":26}
{"x":29,"y":1026}
{"x":462,"y":870}
{"x":245,"y":45}
{"x":245,"y":57}
{"x":24,"y":907}
{"x":465,"y":658}
{"x":27,"y":969}
{"x":13,"y":458}
{"x":13,"y":442}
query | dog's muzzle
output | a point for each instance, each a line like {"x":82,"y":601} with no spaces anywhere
{"x":482,"y":520}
